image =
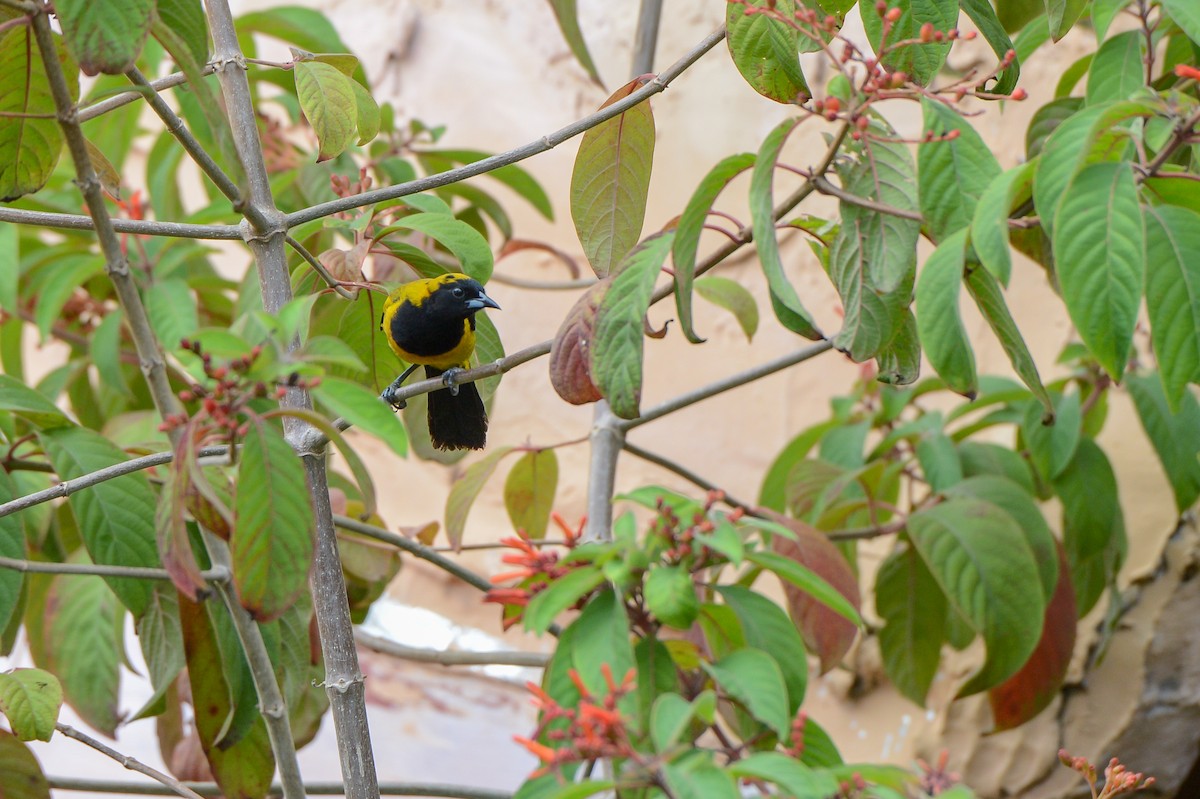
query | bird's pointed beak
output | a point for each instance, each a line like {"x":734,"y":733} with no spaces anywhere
{"x":481,"y":302}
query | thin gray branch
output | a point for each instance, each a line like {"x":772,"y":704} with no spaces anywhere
{"x":319,"y":268}
{"x":143,"y":227}
{"x":125,"y":98}
{"x":312,"y":788}
{"x":543,"y":144}
{"x":131,"y":763}
{"x":415,"y":548}
{"x":685,"y":473}
{"x":606,"y":439}
{"x":386,"y":646}
{"x":68,"y":487}
{"x":645,"y":41}
{"x":725,"y":384}
{"x":266,"y":243}
{"x":218,"y":574}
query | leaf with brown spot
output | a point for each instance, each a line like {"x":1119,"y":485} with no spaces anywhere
{"x":826,"y":633}
{"x":1028,"y":692}
{"x":570,"y":357}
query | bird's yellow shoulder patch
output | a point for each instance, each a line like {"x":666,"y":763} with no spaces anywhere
{"x":417,"y":291}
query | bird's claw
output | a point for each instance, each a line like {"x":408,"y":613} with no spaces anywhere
{"x":389,"y":396}
{"x":450,"y":378}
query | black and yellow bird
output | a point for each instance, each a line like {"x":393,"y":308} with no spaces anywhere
{"x":431,"y":323}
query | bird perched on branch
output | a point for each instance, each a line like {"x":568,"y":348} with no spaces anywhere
{"x":431,"y":323}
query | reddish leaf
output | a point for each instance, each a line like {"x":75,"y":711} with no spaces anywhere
{"x":244,"y":769}
{"x":518,"y":245}
{"x":1027,"y":693}
{"x":170,"y":526}
{"x":570,"y":358}
{"x":826,"y":633}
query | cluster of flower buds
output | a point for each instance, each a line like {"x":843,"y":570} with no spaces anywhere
{"x":682,"y":548}
{"x":342,"y":186}
{"x":226,"y":391}
{"x":1117,"y":778}
{"x":592,"y":731}
{"x":937,"y":778}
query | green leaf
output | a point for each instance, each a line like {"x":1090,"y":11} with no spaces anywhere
{"x":1098,"y":253}
{"x":529,"y":491}
{"x":939,"y":460}
{"x":1173,"y":295}
{"x":1093,"y":524}
{"x":762,"y":216}
{"x":329,"y":104}
{"x":1046,"y":120}
{"x":10,"y":275}
{"x":84,"y":644}
{"x":272,"y":543}
{"x":1019,"y":503}
{"x":989,"y":225}
{"x":768,"y":628}
{"x":172,"y":310}
{"x":1118,"y":69}
{"x":616,"y":363}
{"x":691,"y":225}
{"x":913,"y":609}
{"x":30,"y":404}
{"x":1186,"y":15}
{"x":610,"y":181}
{"x":793,"y":777}
{"x":23,"y":777}
{"x":568,"y":23}
{"x":942,"y":334}
{"x":899,"y":363}
{"x":920,"y":60}
{"x":1062,"y":15}
{"x":30,"y":139}
{"x":671,"y":596}
{"x":953,"y":174}
{"x":1090,"y":136}
{"x":767,"y":50}
{"x":186,"y":18}
{"x":984,"y":17}
{"x":562,"y":593}
{"x":363,"y":409}
{"x":1071,"y":75}
{"x":873,"y":257}
{"x":733,"y":297}
{"x":105,"y":37}
{"x":603,"y":638}
{"x":1175,"y":435}
{"x":697,"y":777}
{"x":463,"y":241}
{"x":30,"y":699}
{"x":366,"y":118}
{"x":115,"y":517}
{"x":161,"y":639}
{"x":807,"y":581}
{"x":72,"y":271}
{"x":465,"y":490}
{"x":669,"y":720}
{"x":979,"y":458}
{"x":1051,"y":446}
{"x":12,"y":545}
{"x":752,"y":678}
{"x":985,"y":290}
{"x":980,"y":558}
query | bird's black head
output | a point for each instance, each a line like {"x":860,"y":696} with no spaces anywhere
{"x":459,"y":295}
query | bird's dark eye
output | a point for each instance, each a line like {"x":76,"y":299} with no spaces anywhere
{"x":458,"y":292}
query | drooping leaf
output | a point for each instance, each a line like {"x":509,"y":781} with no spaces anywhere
{"x":1062,"y":15}
{"x":1093,"y":524}
{"x":187,"y":20}
{"x":767,"y":627}
{"x":766,"y":50}
{"x":171,"y":528}
{"x":570,"y":355}
{"x":1031,"y":690}
{"x":610,"y":181}
{"x":30,"y":139}
{"x":529,"y":491}
{"x":1052,"y":442}
{"x":1174,"y":434}
{"x":913,"y":609}
{"x":900,"y":361}
{"x":464,"y":242}
{"x":466,"y":489}
{"x":272,"y":542}
{"x":985,"y":290}
{"x":1118,"y":70}
{"x":161,"y":640}
{"x":980,"y":558}
{"x":1099,"y":255}
{"x":953,"y":174}
{"x":30,"y":699}
{"x":23,"y":777}
{"x":327,"y":98}
{"x":989,"y":225}
{"x":793,"y":777}
{"x":942,"y":334}
{"x":568,"y":23}
{"x":12,"y":545}
{"x":616,"y":352}
{"x":984,"y":17}
{"x":105,"y":37}
{"x":83,"y":640}
{"x":762,"y":216}
{"x":687,"y":234}
{"x":733,"y":297}
{"x":1186,"y":15}
{"x":115,"y":517}
{"x":1173,"y":295}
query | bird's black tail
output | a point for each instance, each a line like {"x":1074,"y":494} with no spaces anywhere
{"x":456,"y":421}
